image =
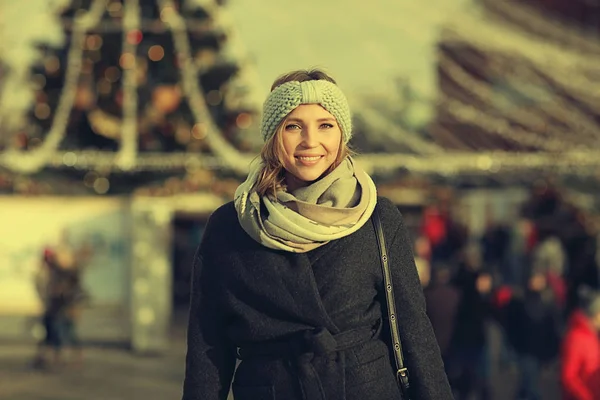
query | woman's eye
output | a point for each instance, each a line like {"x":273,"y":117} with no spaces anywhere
{"x":326,"y":126}
{"x":292,"y":126}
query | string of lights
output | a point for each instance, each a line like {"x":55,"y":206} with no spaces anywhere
{"x":491,"y":98}
{"x":492,"y":125}
{"x":577,"y":85}
{"x":515,"y":114}
{"x":545,"y":26}
{"x":410,"y":139}
{"x":580,"y":163}
{"x":35,"y":160}
{"x":567,"y":76}
{"x":522,"y":81}
{"x":194,"y":93}
{"x":145,"y":25}
{"x":235,"y":49}
{"x":446,"y":136}
{"x":556,"y":108}
{"x":244,"y":90}
{"x":498,"y":35}
{"x":129,"y":128}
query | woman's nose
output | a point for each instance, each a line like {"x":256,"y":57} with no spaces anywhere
{"x":310,"y":137}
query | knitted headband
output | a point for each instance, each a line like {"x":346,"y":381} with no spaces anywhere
{"x":286,"y":97}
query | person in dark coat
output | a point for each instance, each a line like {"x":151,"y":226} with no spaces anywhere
{"x":469,"y":358}
{"x":442,"y":299}
{"x":287,"y":277}
{"x":533,"y":325}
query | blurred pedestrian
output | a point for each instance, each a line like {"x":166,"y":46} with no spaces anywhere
{"x":470,"y":357}
{"x":442,"y":299}
{"x":63,"y":298}
{"x":533,"y":324}
{"x":580,"y":357}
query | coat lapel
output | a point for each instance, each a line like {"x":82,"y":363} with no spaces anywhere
{"x":310,"y":294}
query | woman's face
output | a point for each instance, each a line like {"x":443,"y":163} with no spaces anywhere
{"x":311,"y":139}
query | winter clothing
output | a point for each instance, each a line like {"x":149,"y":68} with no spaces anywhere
{"x":442,"y":306}
{"x":473,"y":312}
{"x":580,"y":363}
{"x":530,"y":369}
{"x":309,"y":217}
{"x":494,"y":245}
{"x":532,"y":321}
{"x":287,"y":96}
{"x":468,"y":358}
{"x":306,"y":324}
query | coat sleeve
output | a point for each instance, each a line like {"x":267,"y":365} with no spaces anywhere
{"x":422,"y":355}
{"x":570,"y":370}
{"x":210,"y":359}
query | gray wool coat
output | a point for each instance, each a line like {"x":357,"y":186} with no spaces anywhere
{"x":327,"y":302}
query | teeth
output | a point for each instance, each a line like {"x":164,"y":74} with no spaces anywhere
{"x":309,"y":158}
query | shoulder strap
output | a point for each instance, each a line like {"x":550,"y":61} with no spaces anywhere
{"x":401,"y":370}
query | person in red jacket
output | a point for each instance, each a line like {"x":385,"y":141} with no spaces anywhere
{"x":580,"y":369}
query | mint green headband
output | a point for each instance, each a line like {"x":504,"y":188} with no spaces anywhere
{"x":286,"y":97}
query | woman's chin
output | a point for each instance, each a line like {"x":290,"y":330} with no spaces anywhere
{"x":310,"y":176}
{"x":303,"y":177}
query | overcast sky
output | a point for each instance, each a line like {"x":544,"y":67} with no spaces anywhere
{"x":362,"y":43}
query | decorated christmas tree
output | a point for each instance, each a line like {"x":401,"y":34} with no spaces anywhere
{"x":143,"y":86}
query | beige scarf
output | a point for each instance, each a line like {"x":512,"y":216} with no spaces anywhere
{"x":333,"y":207}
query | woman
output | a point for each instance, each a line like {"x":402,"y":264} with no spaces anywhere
{"x":288,"y":278}
{"x":580,"y":363}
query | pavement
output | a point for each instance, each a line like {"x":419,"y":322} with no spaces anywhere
{"x":115,"y":373}
{"x":107,"y":374}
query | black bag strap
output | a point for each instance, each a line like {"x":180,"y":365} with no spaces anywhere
{"x":401,"y":370}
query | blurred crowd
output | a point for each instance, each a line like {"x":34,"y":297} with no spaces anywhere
{"x":536,"y":279}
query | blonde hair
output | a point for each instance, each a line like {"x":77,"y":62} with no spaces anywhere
{"x":272,"y":175}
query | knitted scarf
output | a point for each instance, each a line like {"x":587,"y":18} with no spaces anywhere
{"x":333,"y":207}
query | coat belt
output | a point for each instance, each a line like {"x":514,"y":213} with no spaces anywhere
{"x":318,"y":357}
